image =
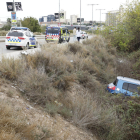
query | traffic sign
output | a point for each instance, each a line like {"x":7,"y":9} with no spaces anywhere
{"x":13,"y":17}
{"x":14,"y":21}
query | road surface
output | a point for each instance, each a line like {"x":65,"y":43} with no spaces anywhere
{"x":4,"y":51}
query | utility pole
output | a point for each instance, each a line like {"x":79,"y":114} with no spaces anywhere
{"x":100,"y":16}
{"x":80,"y":14}
{"x":92,"y":14}
{"x":59,"y":12}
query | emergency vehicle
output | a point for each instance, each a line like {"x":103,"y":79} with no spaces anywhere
{"x":21,"y":39}
{"x":60,"y":34}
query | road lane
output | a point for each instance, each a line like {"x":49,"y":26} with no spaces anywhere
{"x":4,"y":51}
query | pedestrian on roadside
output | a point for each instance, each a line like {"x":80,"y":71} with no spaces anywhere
{"x":74,"y":34}
{"x":78,"y":34}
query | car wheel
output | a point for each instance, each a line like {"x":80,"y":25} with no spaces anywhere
{"x":87,"y":36}
{"x":36,"y":45}
{"x":8,"y":48}
{"x":68,"y":40}
{"x":27,"y":46}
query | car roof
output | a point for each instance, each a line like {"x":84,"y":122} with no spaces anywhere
{"x":128,"y":79}
{"x":23,"y":31}
{"x":20,"y":27}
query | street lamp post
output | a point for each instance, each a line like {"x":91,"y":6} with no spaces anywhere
{"x":59,"y":12}
{"x":92,"y":13}
{"x":14,"y":5}
{"x":100,"y":16}
{"x":80,"y":14}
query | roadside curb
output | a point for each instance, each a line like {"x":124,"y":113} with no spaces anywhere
{"x":2,"y":40}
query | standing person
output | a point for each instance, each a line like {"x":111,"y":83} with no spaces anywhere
{"x":74,"y":34}
{"x":78,"y":34}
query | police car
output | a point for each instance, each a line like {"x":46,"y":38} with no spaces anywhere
{"x":20,"y":38}
{"x":20,"y":28}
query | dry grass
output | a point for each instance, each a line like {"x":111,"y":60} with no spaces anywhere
{"x":3,"y":33}
{"x":48,"y":76}
{"x":13,"y":125}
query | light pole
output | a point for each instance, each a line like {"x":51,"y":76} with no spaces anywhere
{"x":59,"y":12}
{"x":100,"y":16}
{"x":92,"y":14}
{"x":14,"y":5}
{"x":80,"y":14}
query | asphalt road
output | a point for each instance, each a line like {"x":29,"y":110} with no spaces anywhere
{"x":4,"y":51}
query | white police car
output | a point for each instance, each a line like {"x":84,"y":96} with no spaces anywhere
{"x":20,"y":38}
{"x":20,"y":28}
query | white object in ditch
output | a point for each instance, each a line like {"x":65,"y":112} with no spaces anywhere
{"x":118,"y":89}
{"x":71,"y":61}
{"x":24,"y":52}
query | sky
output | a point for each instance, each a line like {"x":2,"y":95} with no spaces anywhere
{"x":39,"y":8}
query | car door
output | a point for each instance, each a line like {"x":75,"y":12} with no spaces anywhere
{"x":133,"y":89}
{"x":32,"y":41}
{"x":125,"y":89}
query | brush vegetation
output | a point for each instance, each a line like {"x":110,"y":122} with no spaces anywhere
{"x":70,"y":80}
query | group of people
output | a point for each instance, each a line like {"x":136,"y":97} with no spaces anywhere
{"x":76,"y":34}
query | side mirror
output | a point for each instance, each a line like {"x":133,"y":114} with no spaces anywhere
{"x":33,"y":35}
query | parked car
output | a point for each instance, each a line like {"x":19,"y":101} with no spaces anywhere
{"x":124,"y":85}
{"x":20,"y":38}
{"x":20,"y":28}
{"x":84,"y":35}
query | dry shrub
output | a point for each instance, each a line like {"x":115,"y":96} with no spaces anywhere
{"x":3,"y":33}
{"x":11,"y":68}
{"x":75,"y":47}
{"x":37,"y":86}
{"x":53,"y":108}
{"x":89,"y":82}
{"x":13,"y":125}
{"x":96,"y":42}
{"x":124,"y":68}
{"x":52,"y":62}
{"x":64,"y":82}
{"x":89,"y":114}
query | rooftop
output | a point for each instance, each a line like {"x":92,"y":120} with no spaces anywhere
{"x":129,"y":80}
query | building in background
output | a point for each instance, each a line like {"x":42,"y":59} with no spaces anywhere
{"x":48,"y":18}
{"x":111,"y":18}
{"x":73,"y":19}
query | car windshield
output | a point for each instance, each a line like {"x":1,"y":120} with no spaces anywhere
{"x":115,"y":82}
{"x":25,"y":29}
{"x":16,"y":34}
{"x":52,"y":30}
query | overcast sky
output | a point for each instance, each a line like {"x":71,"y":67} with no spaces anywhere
{"x":38,"y":8}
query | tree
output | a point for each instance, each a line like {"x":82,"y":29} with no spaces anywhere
{"x":126,"y":34}
{"x":7,"y":26}
{"x":31,"y":23}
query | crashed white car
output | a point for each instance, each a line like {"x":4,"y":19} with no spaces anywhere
{"x":20,"y":38}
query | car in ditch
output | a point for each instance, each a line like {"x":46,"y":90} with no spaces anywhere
{"x":125,"y":85}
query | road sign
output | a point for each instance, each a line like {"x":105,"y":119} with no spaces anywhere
{"x":14,"y":21}
{"x":13,"y":17}
{"x":14,"y":25}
